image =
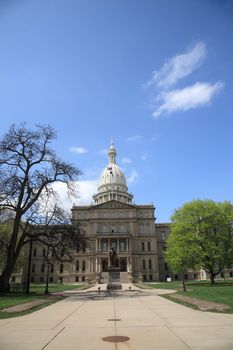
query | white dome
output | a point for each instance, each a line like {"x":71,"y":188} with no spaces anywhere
{"x":112,"y":175}
{"x":112,"y":183}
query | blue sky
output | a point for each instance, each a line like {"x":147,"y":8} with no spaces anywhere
{"x":154,"y":75}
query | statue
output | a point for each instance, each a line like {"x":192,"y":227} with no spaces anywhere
{"x":114,"y":261}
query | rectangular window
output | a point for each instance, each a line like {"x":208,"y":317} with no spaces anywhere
{"x":61,"y":268}
{"x":76,"y":279}
{"x":104,"y":245}
{"x":143,"y":246}
{"x":144,"y":264}
{"x":144,"y":278}
{"x":77,"y":265}
{"x":195,"y":276}
{"x":32,"y":279}
{"x":33,"y":267}
{"x":77,"y":248}
{"x":165,"y":266}
{"x":113,"y":244}
{"x":231,"y":274}
{"x":83,"y":279}
{"x":148,"y":246}
{"x":176,"y":277}
{"x":43,"y":252}
{"x":83,"y":265}
{"x":52,"y":268}
{"x":42,"y":267}
{"x":51,"y":279}
{"x":151,"y":277}
{"x":34,"y":252}
{"x":150,"y":264}
{"x":41,"y":279}
{"x":185,"y":276}
{"x":122,"y":245}
{"x":222,"y":274}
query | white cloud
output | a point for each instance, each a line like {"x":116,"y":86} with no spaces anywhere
{"x":133,"y":177}
{"x":126,"y":160}
{"x":190,"y":97}
{"x":144,"y":157}
{"x":178,"y":67}
{"x":78,"y":150}
{"x":134,"y":138}
{"x":84,"y":191}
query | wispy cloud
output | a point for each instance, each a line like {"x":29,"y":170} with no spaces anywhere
{"x":78,"y":150}
{"x":133,"y":177}
{"x":167,"y":100}
{"x":134,"y":138}
{"x":190,"y":97}
{"x":144,"y":157}
{"x":178,"y":67}
{"x":126,"y":160}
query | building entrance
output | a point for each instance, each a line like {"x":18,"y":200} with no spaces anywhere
{"x":104,"y":265}
{"x":123,"y":264}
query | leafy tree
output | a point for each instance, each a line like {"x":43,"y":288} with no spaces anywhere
{"x":202,"y":234}
{"x":28,"y":168}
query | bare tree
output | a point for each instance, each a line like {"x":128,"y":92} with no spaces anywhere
{"x":28,"y":168}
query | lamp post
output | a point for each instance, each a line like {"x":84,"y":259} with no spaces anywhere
{"x":29,"y":267}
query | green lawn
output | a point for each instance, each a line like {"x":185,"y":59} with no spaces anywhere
{"x":40,"y":288}
{"x":36,"y":292}
{"x":221,"y":292}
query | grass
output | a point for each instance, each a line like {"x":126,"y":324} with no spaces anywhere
{"x":221,"y":292}
{"x":36,"y":292}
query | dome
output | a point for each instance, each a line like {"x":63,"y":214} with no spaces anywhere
{"x":112,"y":183}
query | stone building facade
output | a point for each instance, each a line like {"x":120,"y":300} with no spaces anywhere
{"x":111,"y":221}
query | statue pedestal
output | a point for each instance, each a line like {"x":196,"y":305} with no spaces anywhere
{"x":114,"y":279}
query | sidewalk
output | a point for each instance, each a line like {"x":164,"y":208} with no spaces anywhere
{"x":148,"y":320}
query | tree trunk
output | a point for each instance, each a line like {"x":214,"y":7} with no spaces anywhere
{"x":183,"y":282}
{"x":212,"y":277}
{"x":5,"y":278}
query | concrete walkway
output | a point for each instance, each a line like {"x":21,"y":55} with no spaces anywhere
{"x":150,"y":321}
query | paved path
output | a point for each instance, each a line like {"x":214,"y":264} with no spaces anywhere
{"x":150,"y":321}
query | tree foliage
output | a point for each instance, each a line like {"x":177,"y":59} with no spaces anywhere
{"x":28,"y":168}
{"x":202,"y":235}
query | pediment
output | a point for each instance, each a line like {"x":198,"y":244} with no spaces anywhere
{"x":113,"y":205}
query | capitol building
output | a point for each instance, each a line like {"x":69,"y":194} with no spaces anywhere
{"x":113,"y":220}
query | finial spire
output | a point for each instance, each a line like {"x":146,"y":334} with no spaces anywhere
{"x":112,"y":152}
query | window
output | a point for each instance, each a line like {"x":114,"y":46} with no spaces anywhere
{"x":165,"y":266}
{"x":34,"y":251}
{"x":231,"y":274}
{"x":76,"y":279}
{"x":77,"y":247}
{"x":83,"y":279}
{"x":148,"y":246}
{"x":104,"y":245}
{"x":144,"y":278}
{"x":83,"y":265}
{"x":61,"y":268}
{"x":176,"y":277}
{"x":113,"y":244}
{"x":51,"y":279}
{"x":151,"y":277}
{"x":195,"y":276}
{"x":33,"y":267}
{"x":144,"y":264}
{"x":43,"y":252}
{"x":185,"y":276}
{"x":150,"y":264}
{"x":13,"y":279}
{"x":143,"y":246}
{"x":222,"y":274}
{"x":84,"y":248}
{"x":41,"y":279}
{"x":77,"y":265}
{"x":122,"y":245}
{"x":52,"y":268}
{"x":42,"y":267}
{"x":32,"y":279}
